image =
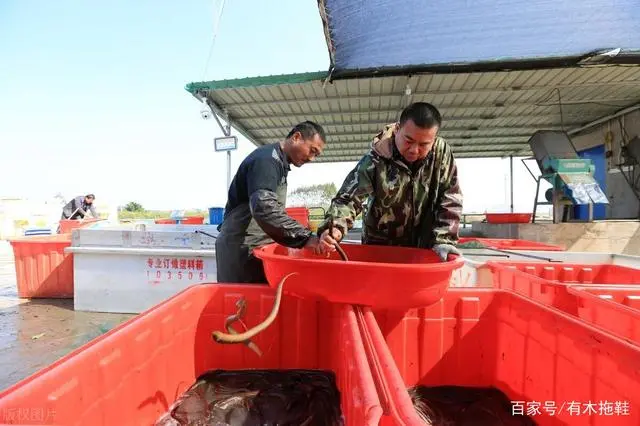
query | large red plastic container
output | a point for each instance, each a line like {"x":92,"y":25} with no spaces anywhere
{"x":508,"y":217}
{"x":301,"y":214}
{"x":67,"y":226}
{"x":487,"y":337}
{"x":133,"y":373}
{"x":43,"y":269}
{"x":546,"y":282}
{"x":551,"y":283}
{"x":382,"y":276}
{"x":512,"y":244}
{"x":616,"y":309}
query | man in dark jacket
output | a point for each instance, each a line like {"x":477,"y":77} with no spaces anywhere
{"x":255,"y":211}
{"x":410,"y":179}
{"x":78,"y":207}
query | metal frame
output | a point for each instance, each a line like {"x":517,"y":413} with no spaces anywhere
{"x":226,"y":130}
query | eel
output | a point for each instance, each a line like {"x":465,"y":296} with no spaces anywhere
{"x":221,"y":337}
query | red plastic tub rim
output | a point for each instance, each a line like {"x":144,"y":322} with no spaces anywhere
{"x":584,"y":292}
{"x":267,"y":252}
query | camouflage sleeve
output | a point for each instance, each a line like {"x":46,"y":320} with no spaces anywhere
{"x":449,"y":208}
{"x":347,"y":204}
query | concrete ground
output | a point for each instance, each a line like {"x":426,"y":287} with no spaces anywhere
{"x":35,"y":333}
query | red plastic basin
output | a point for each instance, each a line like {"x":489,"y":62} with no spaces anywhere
{"x":508,"y":217}
{"x":382,"y":276}
{"x":130,"y":375}
{"x":512,"y":244}
{"x":67,"y":226}
{"x":486,"y":337}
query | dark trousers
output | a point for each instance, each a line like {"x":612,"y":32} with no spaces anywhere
{"x":236,"y":264}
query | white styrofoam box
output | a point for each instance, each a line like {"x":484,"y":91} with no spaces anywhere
{"x":132,"y":280}
{"x":144,"y":239}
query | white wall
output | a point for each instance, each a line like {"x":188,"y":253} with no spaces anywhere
{"x":623,"y":202}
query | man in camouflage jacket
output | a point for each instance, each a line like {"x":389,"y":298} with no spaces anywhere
{"x":410,"y":182}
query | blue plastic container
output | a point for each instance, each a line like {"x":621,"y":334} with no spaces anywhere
{"x":215,"y":215}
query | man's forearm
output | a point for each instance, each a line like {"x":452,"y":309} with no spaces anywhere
{"x":283,"y":229}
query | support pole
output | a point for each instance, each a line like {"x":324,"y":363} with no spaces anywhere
{"x":511,"y":179}
{"x":228,"y":170}
{"x":226,"y":130}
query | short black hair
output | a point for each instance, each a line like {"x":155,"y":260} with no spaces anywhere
{"x":93,"y":197}
{"x":308,"y":129}
{"x":423,"y":114}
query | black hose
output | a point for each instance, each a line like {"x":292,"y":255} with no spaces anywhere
{"x":207,"y":234}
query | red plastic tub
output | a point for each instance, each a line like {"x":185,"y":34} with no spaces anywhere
{"x":190,"y":220}
{"x":43,"y":269}
{"x":381,"y":276}
{"x":538,"y":356}
{"x":133,"y":373}
{"x":512,"y":244}
{"x":550,"y":283}
{"x":616,"y":309}
{"x":508,"y":217}
{"x":67,"y":226}
{"x":301,"y":214}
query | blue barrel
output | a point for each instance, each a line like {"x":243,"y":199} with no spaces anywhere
{"x":215,"y":215}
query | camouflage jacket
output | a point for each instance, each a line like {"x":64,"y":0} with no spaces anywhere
{"x":416,"y":206}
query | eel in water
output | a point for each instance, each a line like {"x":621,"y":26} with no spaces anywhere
{"x":221,"y":337}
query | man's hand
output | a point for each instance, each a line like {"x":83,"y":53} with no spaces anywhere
{"x":444,"y":250}
{"x":328,"y":242}
{"x":313,"y":244}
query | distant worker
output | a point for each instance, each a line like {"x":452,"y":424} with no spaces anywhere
{"x":410,"y":179}
{"x":255,"y":211}
{"x":78,"y":208}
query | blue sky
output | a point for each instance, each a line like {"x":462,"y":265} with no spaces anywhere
{"x":92,"y":98}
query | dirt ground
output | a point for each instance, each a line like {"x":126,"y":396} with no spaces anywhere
{"x":35,"y":333}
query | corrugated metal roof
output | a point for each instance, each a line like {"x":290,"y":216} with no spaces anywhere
{"x":382,"y":35}
{"x":486,"y":114}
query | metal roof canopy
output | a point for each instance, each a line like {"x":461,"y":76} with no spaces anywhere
{"x":485,"y":114}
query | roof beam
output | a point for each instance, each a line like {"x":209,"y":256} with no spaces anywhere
{"x":444,"y":131}
{"x":369,"y":136}
{"x":361,"y":152}
{"x":458,"y":155}
{"x":498,"y":139}
{"x":443,"y":108}
{"x":500,"y":90}
{"x":366,"y":145}
{"x":485,"y":118}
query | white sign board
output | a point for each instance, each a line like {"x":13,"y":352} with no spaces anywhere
{"x":226,"y":143}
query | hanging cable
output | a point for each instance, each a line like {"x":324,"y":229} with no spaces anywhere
{"x":216,"y":27}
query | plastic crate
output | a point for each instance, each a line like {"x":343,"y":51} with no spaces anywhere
{"x":43,"y":269}
{"x":512,"y":244}
{"x":487,"y":337}
{"x":301,"y":214}
{"x":133,"y":373}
